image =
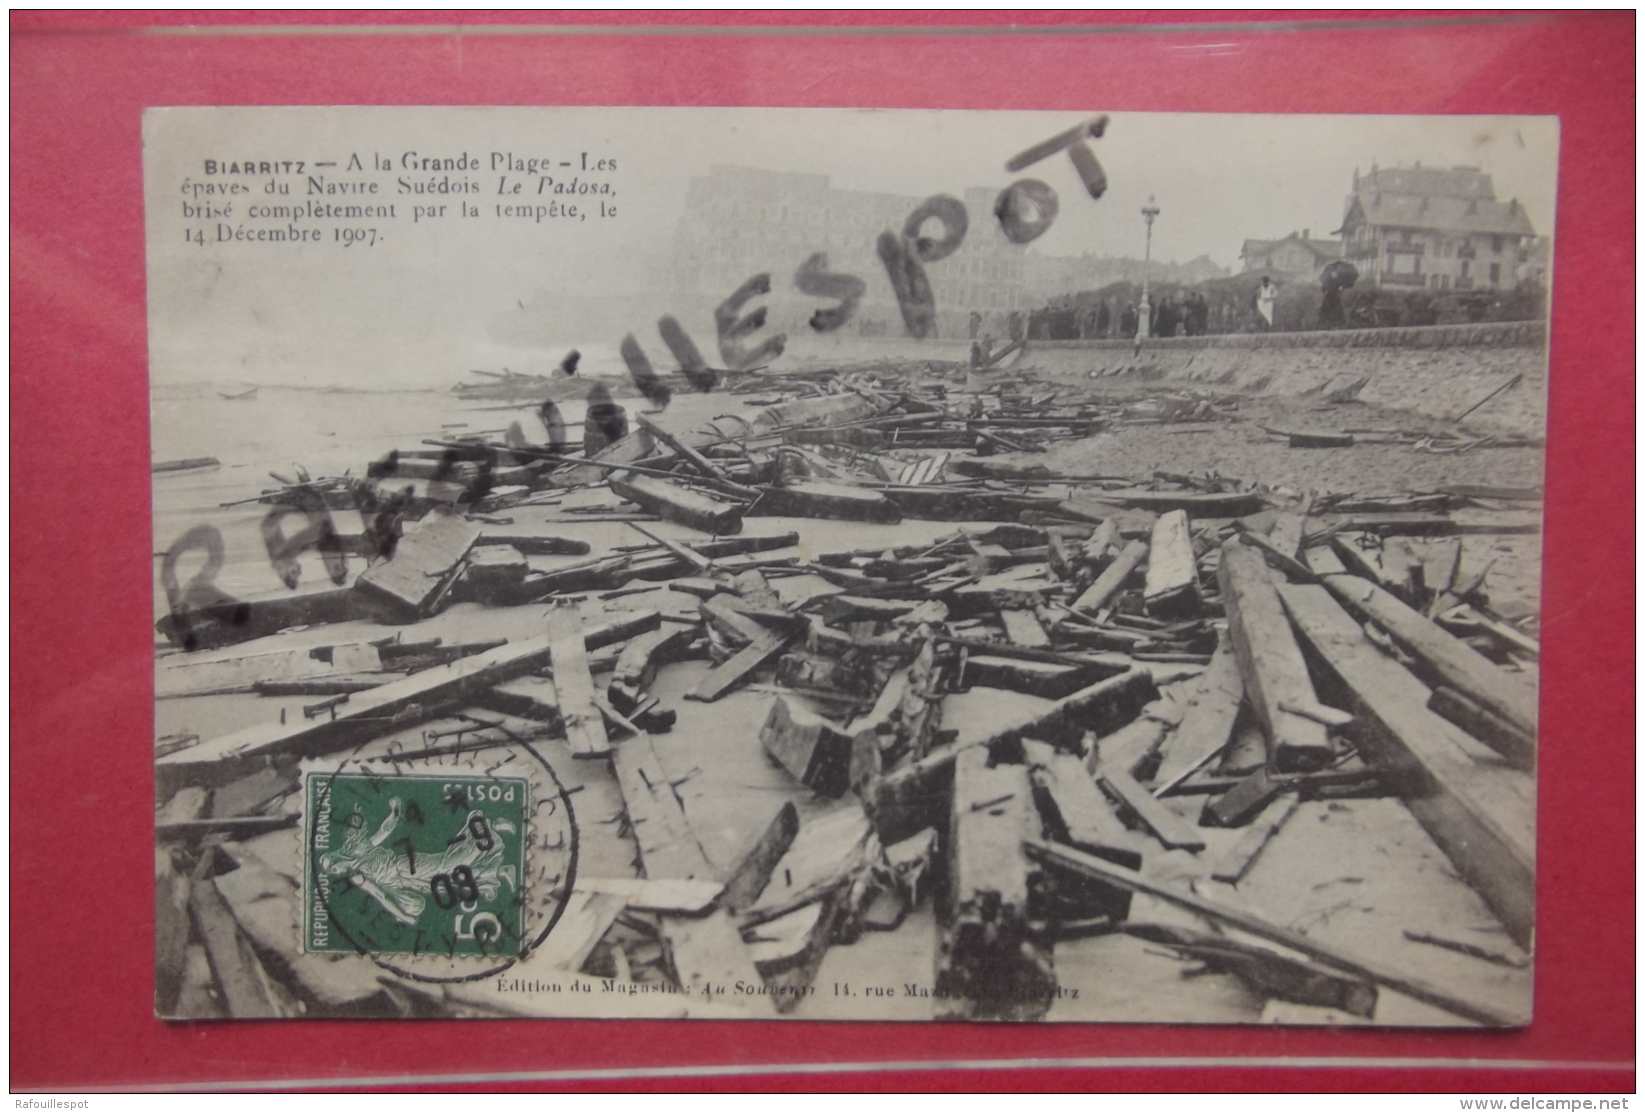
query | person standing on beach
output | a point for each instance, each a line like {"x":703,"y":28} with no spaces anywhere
{"x":1265,"y":304}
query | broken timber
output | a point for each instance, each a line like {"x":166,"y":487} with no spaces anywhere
{"x":1112,"y":579}
{"x":903,"y":799}
{"x":1456,"y":664}
{"x":584,"y":727}
{"x":1439,"y":781}
{"x":1270,"y":662}
{"x":425,"y":564}
{"x":1208,"y":723}
{"x":1315,"y":949}
{"x":1172,"y":582}
{"x":993,"y":960}
{"x":401,"y":702}
{"x":677,"y":504}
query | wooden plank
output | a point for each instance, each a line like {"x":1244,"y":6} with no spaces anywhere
{"x":1454,"y":663}
{"x":640,"y":659}
{"x":709,"y":958}
{"x":838,"y":501}
{"x":1237,"y":862}
{"x":1172,"y":582}
{"x":1269,"y":973}
{"x":584,"y":726}
{"x":904,"y":800}
{"x":1022,"y":628}
{"x":1322,"y":560}
{"x":1075,"y":811}
{"x":668,"y":846}
{"x":674,"y":503}
{"x":1365,"y":563}
{"x":1200,"y":504}
{"x":268,"y":907}
{"x":1440,"y":784}
{"x":748,"y":878}
{"x":706,"y":467}
{"x":426,"y":561}
{"x":1036,"y":678}
{"x":993,"y":960}
{"x":188,"y":675}
{"x":1287,"y":532}
{"x":1270,"y":662}
{"x":1443,"y":525}
{"x":822,"y":755}
{"x":692,"y":558}
{"x":1244,"y":800}
{"x":399,"y":703}
{"x":829,"y":851}
{"x":1172,"y":830}
{"x":588,"y":915}
{"x":1333,"y":956}
{"x":1493,"y":730}
{"x":240,"y":977}
{"x":724,"y":677}
{"x":1112,"y":578}
{"x":1208,"y":723}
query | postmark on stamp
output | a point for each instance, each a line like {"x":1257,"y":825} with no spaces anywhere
{"x":402,"y":865}
{"x":439,"y":864}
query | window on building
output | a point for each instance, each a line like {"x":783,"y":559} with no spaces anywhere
{"x":1496,"y":245}
{"x":1496,"y":273}
{"x":1462,"y":270}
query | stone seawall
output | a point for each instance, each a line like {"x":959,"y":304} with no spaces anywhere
{"x":1439,"y":371}
{"x":1495,"y":334}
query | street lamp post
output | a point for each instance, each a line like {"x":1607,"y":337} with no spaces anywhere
{"x":1144,"y":311}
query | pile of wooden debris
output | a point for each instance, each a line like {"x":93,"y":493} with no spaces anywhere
{"x":1184,"y":663}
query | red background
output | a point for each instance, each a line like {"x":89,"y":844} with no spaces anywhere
{"x":82,"y":902}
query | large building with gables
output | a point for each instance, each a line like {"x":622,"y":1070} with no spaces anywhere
{"x":1436,"y":229}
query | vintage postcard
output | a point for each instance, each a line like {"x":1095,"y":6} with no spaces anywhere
{"x":847,"y":564}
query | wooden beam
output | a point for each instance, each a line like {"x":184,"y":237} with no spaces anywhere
{"x":1208,"y":723}
{"x":1237,"y":862}
{"x":1327,"y":953}
{"x":905,"y":799}
{"x":584,"y":726}
{"x":724,"y":677}
{"x":1172,"y":583}
{"x":678,"y":504}
{"x":993,"y":958}
{"x":241,"y":979}
{"x":425,"y":564}
{"x":1112,"y":579}
{"x":1270,"y":662}
{"x":1444,"y":788}
{"x":400,"y":703}
{"x":1493,"y":730}
{"x":1172,"y":830}
{"x":1451,"y":661}
{"x":822,"y":755}
{"x":668,"y":846}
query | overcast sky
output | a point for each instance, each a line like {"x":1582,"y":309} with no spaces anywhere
{"x":418,"y":302}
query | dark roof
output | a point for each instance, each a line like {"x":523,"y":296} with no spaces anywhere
{"x":1325,"y":249}
{"x":1445,"y":214}
{"x":1468,"y":182}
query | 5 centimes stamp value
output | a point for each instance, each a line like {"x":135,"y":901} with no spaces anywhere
{"x":444,"y":863}
{"x":411,"y":864}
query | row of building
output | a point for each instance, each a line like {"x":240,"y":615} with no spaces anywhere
{"x":1418,"y":228}
{"x":1404,"y":228}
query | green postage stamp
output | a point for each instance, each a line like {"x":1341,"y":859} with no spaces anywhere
{"x":414,"y":865}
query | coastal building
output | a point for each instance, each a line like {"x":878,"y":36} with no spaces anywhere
{"x":1437,"y":229}
{"x":1298,"y":256}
